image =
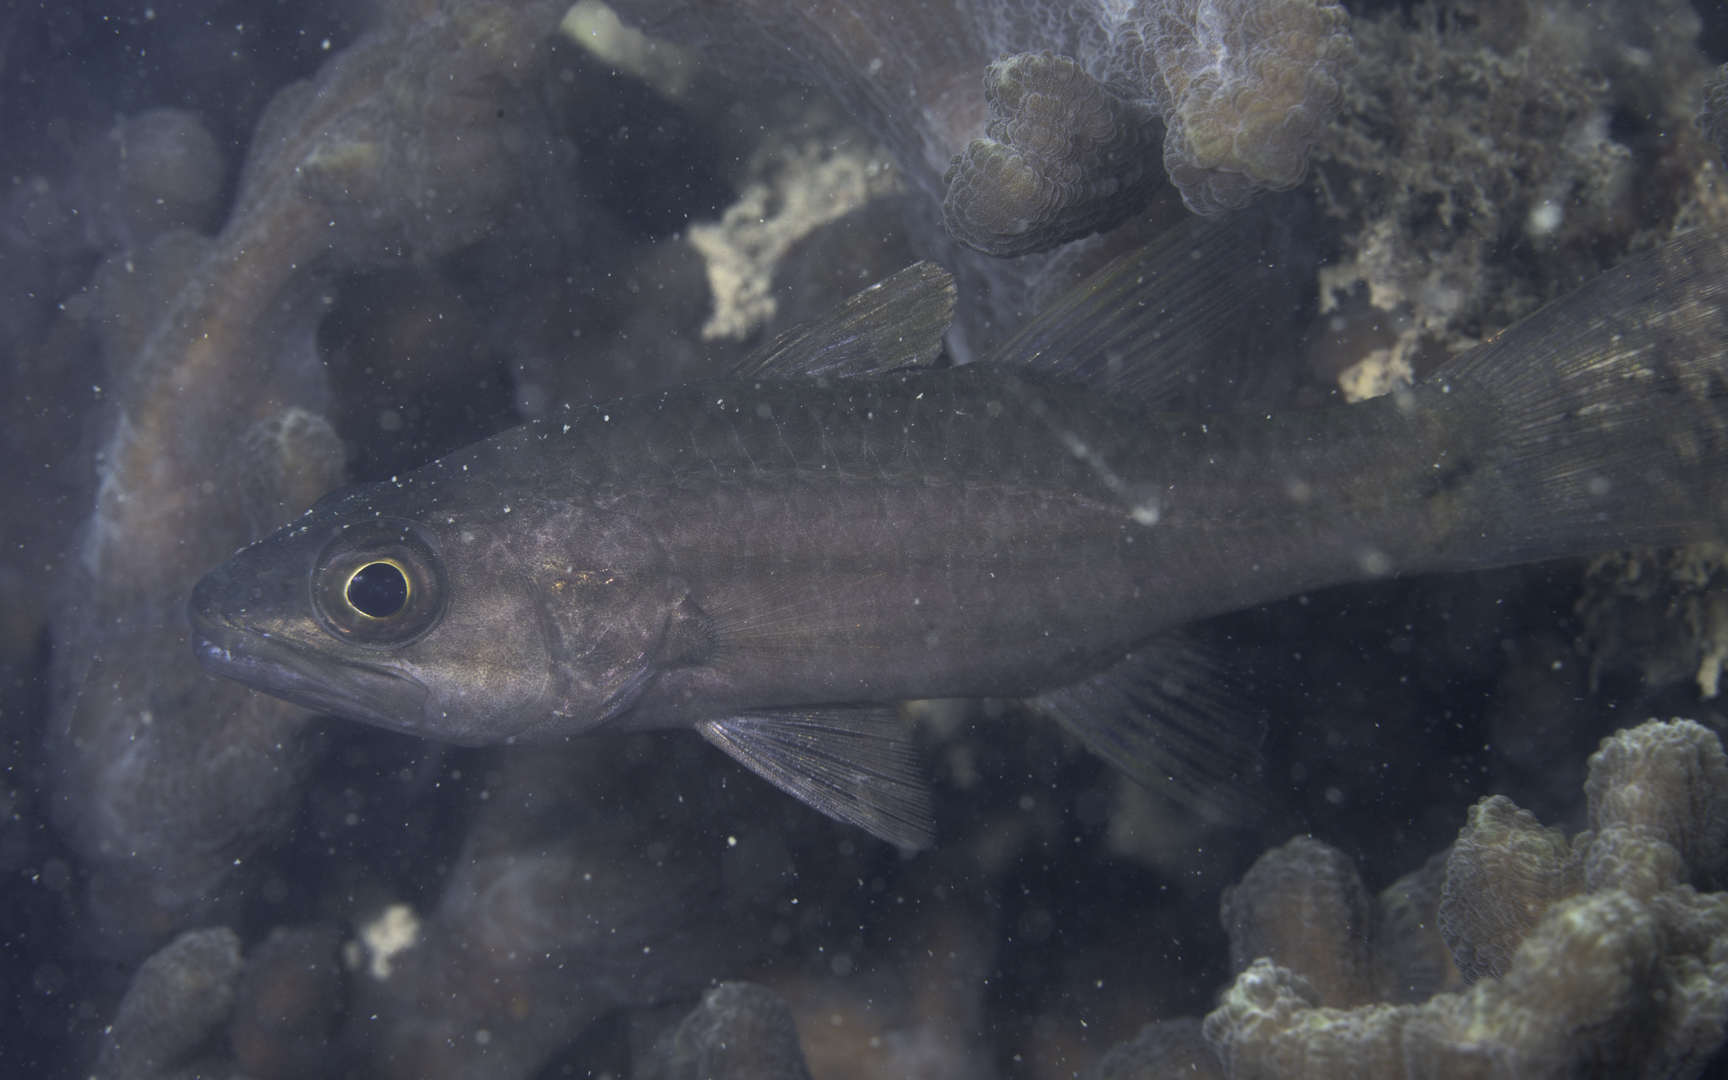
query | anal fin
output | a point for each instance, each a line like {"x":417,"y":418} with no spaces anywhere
{"x":1163,"y":716}
{"x":856,"y":765}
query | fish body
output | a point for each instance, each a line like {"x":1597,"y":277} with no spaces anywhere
{"x":774,"y":556}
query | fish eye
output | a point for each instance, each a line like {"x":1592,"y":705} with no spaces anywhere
{"x":379,"y":583}
{"x":379,"y":589}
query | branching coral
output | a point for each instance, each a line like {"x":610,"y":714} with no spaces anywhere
{"x":217,"y":387}
{"x":1025,"y":125}
{"x":563,"y":904}
{"x":1597,"y":958}
{"x":177,"y":998}
{"x":1503,"y":874}
{"x":286,"y":1002}
{"x":1303,"y":906}
{"x":1055,"y":937}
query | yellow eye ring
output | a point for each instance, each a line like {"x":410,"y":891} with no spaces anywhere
{"x":379,"y":584}
{"x":379,"y":590}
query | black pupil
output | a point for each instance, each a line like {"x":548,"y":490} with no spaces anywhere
{"x":379,"y":590}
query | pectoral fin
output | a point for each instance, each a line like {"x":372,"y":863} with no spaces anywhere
{"x":1163,"y":716}
{"x":855,"y":765}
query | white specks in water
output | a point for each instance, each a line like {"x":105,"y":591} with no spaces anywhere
{"x":1599,"y":485}
{"x":1545,"y":218}
{"x":1374,"y":563}
{"x":764,"y":410}
{"x":1299,"y":490}
{"x":1146,"y":514}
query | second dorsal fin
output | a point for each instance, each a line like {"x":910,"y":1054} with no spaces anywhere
{"x":897,"y":322}
{"x":1143,"y":324}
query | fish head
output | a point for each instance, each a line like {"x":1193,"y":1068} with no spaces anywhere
{"x":370,"y":609}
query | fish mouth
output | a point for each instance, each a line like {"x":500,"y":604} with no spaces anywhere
{"x":281,"y":667}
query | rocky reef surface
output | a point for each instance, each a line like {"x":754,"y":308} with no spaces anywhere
{"x":250,"y":251}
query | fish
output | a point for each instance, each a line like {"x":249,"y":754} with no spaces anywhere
{"x":778,"y":556}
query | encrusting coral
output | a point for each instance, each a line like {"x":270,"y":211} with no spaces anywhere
{"x":1594,"y":958}
{"x":1062,"y":157}
{"x":1246,"y":90}
{"x":1079,"y":96}
{"x":1237,"y":93}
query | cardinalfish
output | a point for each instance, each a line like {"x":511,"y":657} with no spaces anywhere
{"x":778,"y":556}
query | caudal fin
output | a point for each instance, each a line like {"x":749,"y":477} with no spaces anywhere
{"x":1612,"y":408}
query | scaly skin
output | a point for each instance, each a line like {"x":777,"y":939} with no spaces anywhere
{"x":749,"y":544}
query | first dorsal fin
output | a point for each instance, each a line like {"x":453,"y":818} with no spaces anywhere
{"x":853,"y":764}
{"x":896,"y":323}
{"x":1143,"y":324}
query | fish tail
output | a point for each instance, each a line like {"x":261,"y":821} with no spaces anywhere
{"x":1609,"y":410}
